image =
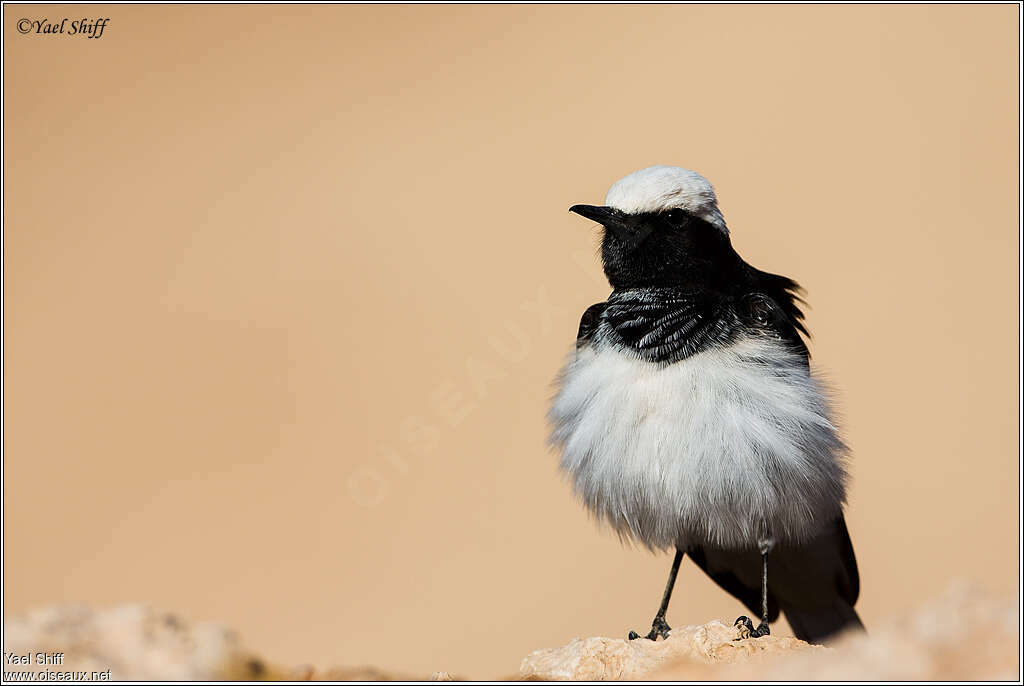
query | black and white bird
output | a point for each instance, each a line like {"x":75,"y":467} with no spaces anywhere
{"x":688,"y":418}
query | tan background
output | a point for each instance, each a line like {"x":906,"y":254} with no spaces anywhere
{"x":285,"y":289}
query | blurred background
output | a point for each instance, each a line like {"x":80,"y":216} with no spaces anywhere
{"x":285,"y":290}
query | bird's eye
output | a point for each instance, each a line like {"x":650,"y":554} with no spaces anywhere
{"x":676,"y":216}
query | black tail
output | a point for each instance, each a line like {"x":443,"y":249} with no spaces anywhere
{"x":815,"y":583}
{"x":821,"y":624}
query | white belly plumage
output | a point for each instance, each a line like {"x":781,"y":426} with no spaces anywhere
{"x":708,"y":450}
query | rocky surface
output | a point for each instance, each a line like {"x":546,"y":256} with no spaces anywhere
{"x":965,"y":634}
{"x":139,"y":643}
{"x":602,"y":659}
{"x":133,"y":642}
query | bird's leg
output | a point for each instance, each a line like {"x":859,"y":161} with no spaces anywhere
{"x":743,"y":623}
{"x":659,"y":627}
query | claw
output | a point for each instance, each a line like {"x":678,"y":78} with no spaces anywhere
{"x":745,"y":627}
{"x":747,"y":630}
{"x":659,"y":627}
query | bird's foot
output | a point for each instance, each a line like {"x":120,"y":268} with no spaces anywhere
{"x":747,"y":630}
{"x":659,"y":627}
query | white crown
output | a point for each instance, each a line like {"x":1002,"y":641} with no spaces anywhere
{"x":660,"y":188}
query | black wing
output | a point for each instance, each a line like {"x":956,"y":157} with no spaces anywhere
{"x":774,"y":302}
{"x":668,"y":325}
{"x":671,"y":324}
{"x":589,"y":322}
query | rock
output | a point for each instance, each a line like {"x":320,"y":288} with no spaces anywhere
{"x":138,"y":643}
{"x":134,"y":642}
{"x":603,"y":659}
{"x":965,"y":634}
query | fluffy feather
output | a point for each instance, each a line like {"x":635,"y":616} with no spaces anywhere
{"x":702,"y":451}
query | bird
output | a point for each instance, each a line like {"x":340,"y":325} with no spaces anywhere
{"x":688,"y":418}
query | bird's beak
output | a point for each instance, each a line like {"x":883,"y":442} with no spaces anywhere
{"x":610,"y":218}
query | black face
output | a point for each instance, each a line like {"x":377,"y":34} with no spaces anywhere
{"x":670,"y":248}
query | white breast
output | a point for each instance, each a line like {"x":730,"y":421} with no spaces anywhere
{"x":703,"y":450}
